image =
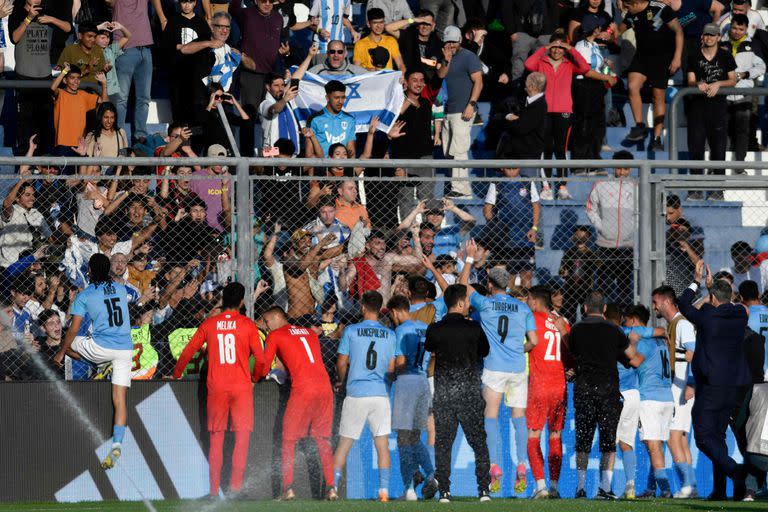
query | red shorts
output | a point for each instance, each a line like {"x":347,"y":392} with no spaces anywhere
{"x":237,"y":403}
{"x":308,"y":413}
{"x":546,"y":405}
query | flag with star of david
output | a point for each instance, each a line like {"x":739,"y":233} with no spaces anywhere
{"x":372,"y":94}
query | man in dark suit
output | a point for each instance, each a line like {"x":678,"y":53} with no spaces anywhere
{"x":720,"y":371}
{"x":523,"y":136}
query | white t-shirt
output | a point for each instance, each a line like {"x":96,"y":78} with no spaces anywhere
{"x":685,"y":333}
{"x":490,"y":196}
{"x":269,"y":127}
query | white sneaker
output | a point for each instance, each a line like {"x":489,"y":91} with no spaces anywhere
{"x":684,"y":493}
{"x":562,"y":193}
{"x":540,"y":494}
{"x":410,"y":495}
{"x":546,"y":194}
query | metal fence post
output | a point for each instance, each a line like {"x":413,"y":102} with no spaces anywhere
{"x":646,"y":232}
{"x":244,"y":237}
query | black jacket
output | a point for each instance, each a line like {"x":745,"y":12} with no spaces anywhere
{"x":524,"y":137}
{"x":719,"y":358}
{"x":458,"y":344}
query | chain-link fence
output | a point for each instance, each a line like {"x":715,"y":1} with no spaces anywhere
{"x":169,"y":234}
{"x":315,"y":239}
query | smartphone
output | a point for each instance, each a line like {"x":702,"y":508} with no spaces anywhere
{"x":270,"y":152}
{"x":434,"y":204}
{"x":196,"y":131}
{"x":226,"y":96}
{"x":295,"y":82}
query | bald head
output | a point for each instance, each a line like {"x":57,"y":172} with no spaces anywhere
{"x":274,"y":318}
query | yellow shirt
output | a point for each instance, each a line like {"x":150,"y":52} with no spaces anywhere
{"x":363,"y":58}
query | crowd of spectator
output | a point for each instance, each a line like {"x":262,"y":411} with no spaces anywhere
{"x":321,"y":244}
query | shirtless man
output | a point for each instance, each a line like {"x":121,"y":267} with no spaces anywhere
{"x":373,"y":270}
{"x":301,"y":259}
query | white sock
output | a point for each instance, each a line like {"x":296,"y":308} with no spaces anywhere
{"x":605,"y":480}
{"x":631,"y":483}
{"x":582,"y":478}
{"x":541,"y":484}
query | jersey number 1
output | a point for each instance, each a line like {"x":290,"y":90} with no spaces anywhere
{"x":306,"y":347}
{"x":226,"y":348}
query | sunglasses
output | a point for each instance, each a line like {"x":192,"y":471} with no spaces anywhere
{"x":335,"y":52}
{"x":222,"y":26}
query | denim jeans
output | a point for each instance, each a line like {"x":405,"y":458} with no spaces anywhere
{"x":135,"y":66}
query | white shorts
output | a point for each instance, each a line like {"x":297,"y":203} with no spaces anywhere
{"x":681,"y":416}
{"x":513,"y":385}
{"x":356,"y":411}
{"x":411,"y":403}
{"x":655,"y":419}
{"x":122,"y":360}
{"x":630,"y":414}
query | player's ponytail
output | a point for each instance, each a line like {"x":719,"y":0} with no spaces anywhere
{"x":99,"y":267}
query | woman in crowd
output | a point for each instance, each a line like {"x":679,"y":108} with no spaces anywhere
{"x":106,"y":139}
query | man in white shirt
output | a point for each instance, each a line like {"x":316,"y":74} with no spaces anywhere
{"x":741,"y":7}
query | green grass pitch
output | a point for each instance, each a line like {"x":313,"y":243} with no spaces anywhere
{"x":458,"y":505}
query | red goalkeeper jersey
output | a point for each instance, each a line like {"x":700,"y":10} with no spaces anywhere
{"x":230,"y":338}
{"x":299,"y":350}
{"x":545,"y":361}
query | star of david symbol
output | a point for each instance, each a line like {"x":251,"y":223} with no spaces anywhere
{"x":352,"y":93}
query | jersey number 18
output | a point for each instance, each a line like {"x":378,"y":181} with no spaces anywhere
{"x":227,"y":352}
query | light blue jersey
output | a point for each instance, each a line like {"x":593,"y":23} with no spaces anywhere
{"x":628,"y":376}
{"x":410,"y":343}
{"x":370,"y":347}
{"x":505,"y":321}
{"x":107,"y":307}
{"x":440,"y":308}
{"x":331,"y":14}
{"x":758,"y":322}
{"x":332,"y":128}
{"x":654,"y":375}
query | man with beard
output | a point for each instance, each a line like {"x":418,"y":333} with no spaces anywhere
{"x":373,"y":270}
{"x":277,"y":117}
{"x":188,"y":237}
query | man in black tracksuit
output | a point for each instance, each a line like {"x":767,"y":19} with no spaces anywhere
{"x":597,"y":345}
{"x":458,"y":345}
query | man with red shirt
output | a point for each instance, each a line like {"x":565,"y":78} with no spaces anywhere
{"x":310,"y":406}
{"x":230,"y":339}
{"x":547,"y":394}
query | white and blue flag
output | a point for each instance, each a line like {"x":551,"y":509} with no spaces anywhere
{"x":373,"y":94}
{"x":224,"y":67}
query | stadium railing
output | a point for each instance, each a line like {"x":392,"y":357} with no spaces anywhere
{"x":674,"y":112}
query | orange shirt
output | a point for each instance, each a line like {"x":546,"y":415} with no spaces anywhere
{"x":69,"y":115}
{"x":349,"y":213}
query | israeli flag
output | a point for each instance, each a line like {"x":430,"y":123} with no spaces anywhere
{"x":224,"y":67}
{"x":373,"y":94}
